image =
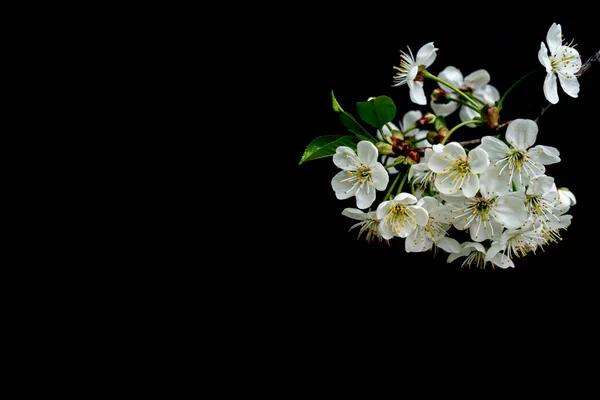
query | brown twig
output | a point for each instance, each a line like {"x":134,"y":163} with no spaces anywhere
{"x":584,"y":67}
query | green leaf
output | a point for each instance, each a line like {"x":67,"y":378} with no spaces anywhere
{"x":325,"y":146}
{"x":377,"y":112}
{"x":336,"y":105}
{"x":440,"y":122}
{"x":350,"y":122}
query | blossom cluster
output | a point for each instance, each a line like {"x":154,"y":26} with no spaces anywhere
{"x":485,"y":201}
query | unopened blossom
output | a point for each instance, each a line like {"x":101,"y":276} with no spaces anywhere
{"x":424,"y":237}
{"x":400,"y":216}
{"x":475,"y":254}
{"x":410,"y":71}
{"x":457,"y":171}
{"x":476,"y":84}
{"x":368,"y":223}
{"x":566,"y":197}
{"x":487,"y":213}
{"x":517,"y":161}
{"x":562,"y":60}
{"x":362,"y":174}
{"x":419,"y":174}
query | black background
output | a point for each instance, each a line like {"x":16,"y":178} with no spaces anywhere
{"x":354,"y":56}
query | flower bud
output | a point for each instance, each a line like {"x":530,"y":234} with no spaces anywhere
{"x":385,"y":149}
{"x":566,"y":197}
{"x":434,"y":137}
{"x":491,"y":116}
{"x":398,"y":134}
{"x":427,"y":119}
{"x":412,"y":157}
{"x":439,"y":96}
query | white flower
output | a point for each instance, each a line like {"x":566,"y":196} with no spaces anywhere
{"x":515,"y":243}
{"x":423,"y":237}
{"x":486,"y":214}
{"x":420,"y":174}
{"x":518,"y":162}
{"x":400,"y":216}
{"x":361,"y":174}
{"x":563,"y":61}
{"x":458,"y":171}
{"x":369,"y":223}
{"x":409,"y":73}
{"x":541,"y":199}
{"x":476,"y":83}
{"x":475,"y":253}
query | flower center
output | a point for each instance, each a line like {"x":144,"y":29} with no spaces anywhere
{"x":476,"y":257}
{"x":563,"y":60}
{"x":540,"y":208}
{"x":460,"y":172}
{"x":399,"y":216}
{"x":478,"y":211}
{"x":518,"y":161}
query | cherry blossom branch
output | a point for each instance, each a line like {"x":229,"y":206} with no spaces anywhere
{"x":585,"y":67}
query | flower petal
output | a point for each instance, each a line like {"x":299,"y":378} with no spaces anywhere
{"x":379,"y":176}
{"x":545,"y":155}
{"x":477,"y":79}
{"x":569,"y":85}
{"x":367,"y":152}
{"x":476,"y":231}
{"x":510,"y":211}
{"x":385,"y":228}
{"x":383,"y":209}
{"x":405,"y":199}
{"x":453,"y":76}
{"x":439,"y":162}
{"x":343,"y":186}
{"x":354,"y":213}
{"x":478,"y":160}
{"x":470,"y":186}
{"x":417,"y":241}
{"x":550,"y":88}
{"x":494,"y":181}
{"x":417,"y":94}
{"x":503,"y":261}
{"x":468,"y":114}
{"x":495,"y":148}
{"x":365,"y":196}
{"x":410,"y":118}
{"x":493,"y":250}
{"x":421,"y":215}
{"x":426,"y":55}
{"x":488,"y":93}
{"x":554,"y":37}
{"x":443,"y":109}
{"x":522,"y":133}
{"x":345,"y":158}
{"x":454,"y":150}
{"x":449,"y":245}
{"x":540,"y":185}
{"x":544,"y":59}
